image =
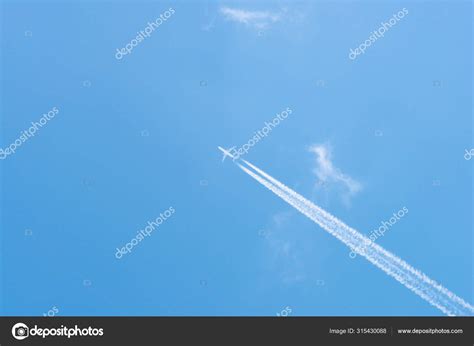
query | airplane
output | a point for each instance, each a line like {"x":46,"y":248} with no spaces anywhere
{"x":226,"y":153}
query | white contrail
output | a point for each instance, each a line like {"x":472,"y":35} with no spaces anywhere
{"x":411,"y":278}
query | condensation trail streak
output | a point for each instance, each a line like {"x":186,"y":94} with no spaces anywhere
{"x":392,"y":265}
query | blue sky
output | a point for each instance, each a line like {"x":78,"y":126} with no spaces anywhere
{"x":138,"y":135}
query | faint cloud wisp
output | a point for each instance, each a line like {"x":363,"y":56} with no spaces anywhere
{"x":256,"y":19}
{"x":327,"y":173}
{"x":286,"y":250}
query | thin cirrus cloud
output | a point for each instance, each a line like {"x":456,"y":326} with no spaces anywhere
{"x":285,"y":250}
{"x":256,"y":19}
{"x":328,"y":174}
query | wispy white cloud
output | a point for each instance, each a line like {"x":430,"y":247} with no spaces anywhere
{"x":285,"y":250}
{"x":281,"y":219}
{"x":256,"y":19}
{"x":327,"y":173}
